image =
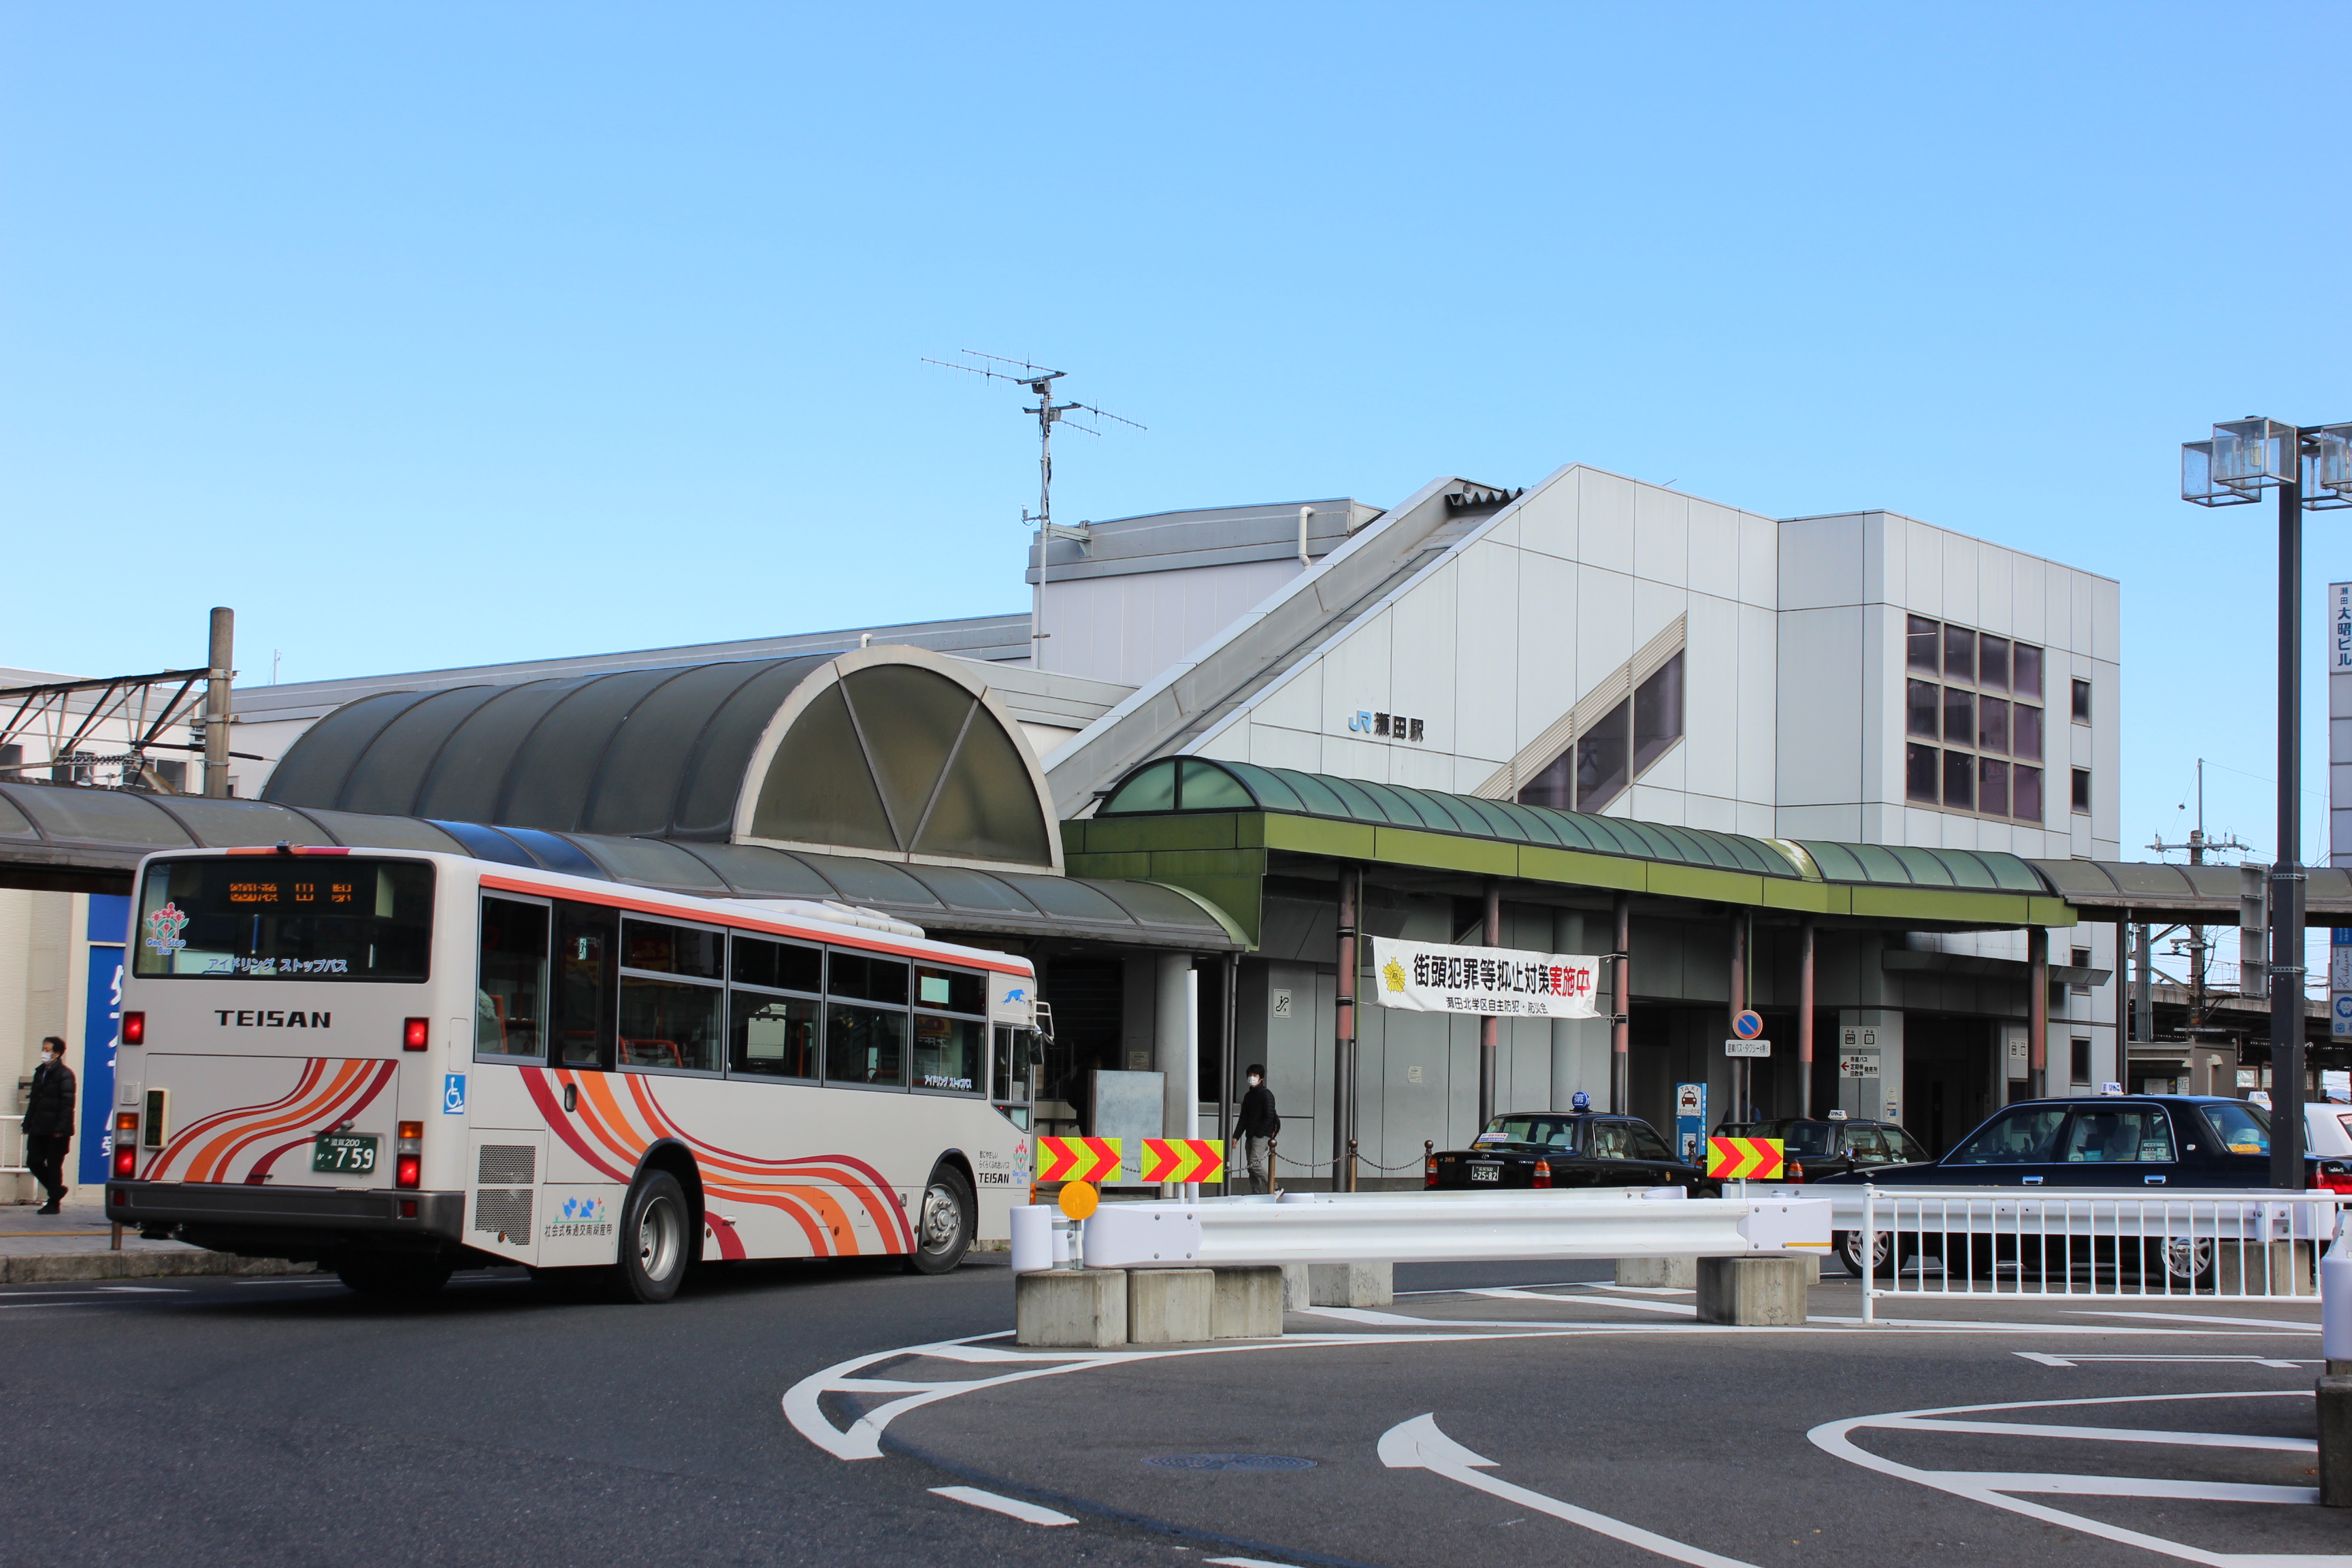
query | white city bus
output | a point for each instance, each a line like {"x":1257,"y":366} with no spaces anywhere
{"x":395,"y":1063}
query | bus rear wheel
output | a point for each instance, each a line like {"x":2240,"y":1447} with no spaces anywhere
{"x":653,"y":1239}
{"x":394,"y":1279}
{"x":944,"y":1225}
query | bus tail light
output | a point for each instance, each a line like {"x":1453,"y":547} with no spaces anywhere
{"x":1796,"y":1172}
{"x":1543,"y":1173}
{"x":1429,"y":1171}
{"x":408,"y":1155}
{"x":126,"y":1143}
{"x":414,"y":1035}
{"x":134,"y":1029}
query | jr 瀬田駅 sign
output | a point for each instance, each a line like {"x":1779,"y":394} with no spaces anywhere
{"x":1427,"y":977}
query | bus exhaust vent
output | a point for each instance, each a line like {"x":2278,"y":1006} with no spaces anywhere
{"x":507,"y":1212}
{"x":506,"y":1165}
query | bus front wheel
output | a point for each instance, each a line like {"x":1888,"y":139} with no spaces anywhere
{"x":654,"y":1239}
{"x":944,"y":1229}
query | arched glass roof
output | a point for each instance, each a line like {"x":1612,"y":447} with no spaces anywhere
{"x":883,"y":752}
{"x":1197,"y":783}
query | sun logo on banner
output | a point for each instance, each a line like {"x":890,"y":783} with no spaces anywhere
{"x":1392,"y":975}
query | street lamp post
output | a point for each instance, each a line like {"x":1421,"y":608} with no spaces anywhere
{"x":2310,"y":468}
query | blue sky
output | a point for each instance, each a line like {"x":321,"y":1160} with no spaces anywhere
{"x":430,"y":335}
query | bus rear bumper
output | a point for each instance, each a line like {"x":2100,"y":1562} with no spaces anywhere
{"x":301,"y":1223}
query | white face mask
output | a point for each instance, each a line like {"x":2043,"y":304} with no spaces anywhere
{"x":1255,"y":1081}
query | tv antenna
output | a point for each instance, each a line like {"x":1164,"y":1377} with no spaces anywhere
{"x":1040,"y":380}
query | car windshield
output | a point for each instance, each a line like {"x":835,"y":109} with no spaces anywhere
{"x":1796,"y":1137}
{"x":1551,"y":1131}
{"x":2242,"y":1129}
{"x":2021,"y":1135}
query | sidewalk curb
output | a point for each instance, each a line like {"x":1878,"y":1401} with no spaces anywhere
{"x":49,"y":1267}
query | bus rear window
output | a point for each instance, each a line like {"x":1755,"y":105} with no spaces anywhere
{"x":309,"y":917}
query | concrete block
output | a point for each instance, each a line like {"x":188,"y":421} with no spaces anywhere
{"x":1169,"y":1306}
{"x":2335,"y":1441}
{"x":1248,"y":1304}
{"x":1754,"y":1292}
{"x":1295,"y":1293}
{"x":1659,"y":1273}
{"x":1352,"y":1284}
{"x":2264,"y":1268}
{"x":1078,"y":1308}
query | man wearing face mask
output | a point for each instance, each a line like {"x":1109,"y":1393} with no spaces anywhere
{"x":1256,"y":1129}
{"x":49,"y":1121}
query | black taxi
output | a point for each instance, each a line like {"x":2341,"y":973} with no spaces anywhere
{"x":1564,"y":1149}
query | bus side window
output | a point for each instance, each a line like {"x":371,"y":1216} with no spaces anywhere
{"x":587,"y":984}
{"x":510,"y":989}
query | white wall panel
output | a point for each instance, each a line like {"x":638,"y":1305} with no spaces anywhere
{"x":1424,"y":656}
{"x":1711,"y":698}
{"x":1821,"y":561}
{"x":1960,"y":560}
{"x":1713,"y":549}
{"x":2106,"y":617}
{"x":1356,"y":674}
{"x":1548,"y":517}
{"x":1486,"y":669}
{"x":1759,"y":562}
{"x":1549,"y":682}
{"x":1604,"y":624}
{"x":1923,"y":566}
{"x":1885,"y":558}
{"x":1995,"y":590}
{"x":1759,"y":703}
{"x":1819,"y":694}
{"x":2029,"y":614}
{"x":1604,"y":521}
{"x":2085,"y":633}
{"x":1660,"y":535}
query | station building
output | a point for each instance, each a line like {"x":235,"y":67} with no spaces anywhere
{"x":1857,"y":771}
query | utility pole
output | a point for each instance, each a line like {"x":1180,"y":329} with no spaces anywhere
{"x":217,"y":676}
{"x":2199,"y":945}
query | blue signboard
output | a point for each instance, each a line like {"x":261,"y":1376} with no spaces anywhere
{"x":1690,"y":1122}
{"x":101,"y":1029}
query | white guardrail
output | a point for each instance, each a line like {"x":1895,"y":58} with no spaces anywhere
{"x":2095,"y":1244}
{"x":1425,"y":1227}
{"x":12,"y":1163}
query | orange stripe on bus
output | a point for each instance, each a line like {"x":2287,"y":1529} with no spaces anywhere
{"x":219,"y":1150}
{"x":185,"y":1140}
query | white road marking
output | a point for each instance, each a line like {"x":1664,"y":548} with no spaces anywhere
{"x":34,"y":1306}
{"x":2282,"y":1325}
{"x":1245,"y":1562}
{"x":1638,"y":1290}
{"x":1522,"y":1293}
{"x":1026,"y":1512}
{"x":2163,"y":1360}
{"x":148,"y":1290}
{"x":1462,"y":1290}
{"x":1419,"y":1444}
{"x":1992,"y":1488}
{"x":2103,"y":1434}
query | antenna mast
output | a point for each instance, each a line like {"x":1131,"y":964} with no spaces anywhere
{"x":1040,"y":380}
{"x":2200,"y":946}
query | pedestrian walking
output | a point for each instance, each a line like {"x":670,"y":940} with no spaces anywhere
{"x":49,"y":1121}
{"x":1255,"y":1129}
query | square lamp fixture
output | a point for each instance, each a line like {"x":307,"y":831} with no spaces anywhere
{"x":2327,"y":469}
{"x":2251,"y":455}
{"x":2198,"y":482}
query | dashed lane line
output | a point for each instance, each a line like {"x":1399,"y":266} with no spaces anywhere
{"x":1012,"y":1508}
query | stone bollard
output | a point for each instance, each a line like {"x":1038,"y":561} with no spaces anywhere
{"x":2264,"y":1269}
{"x":1352,"y":1284}
{"x":2335,"y":1441}
{"x":1659,"y":1273}
{"x":1248,"y":1304}
{"x":1077,"y":1309}
{"x":1752,"y":1291}
{"x":1169,"y":1306}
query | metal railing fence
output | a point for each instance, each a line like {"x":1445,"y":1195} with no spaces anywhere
{"x":2090,"y":1245}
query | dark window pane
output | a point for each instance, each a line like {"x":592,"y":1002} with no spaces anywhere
{"x":1960,"y":653}
{"x":2081,"y":789}
{"x":281,"y":917}
{"x":1601,"y":758}
{"x":775,"y":1035}
{"x":1920,"y":641}
{"x":1960,"y":780}
{"x":2027,"y":660}
{"x":1992,"y":662}
{"x":779,"y":966}
{"x":2025,"y":797}
{"x":673,"y":950}
{"x":2107,"y":1136}
{"x":587,"y":972}
{"x":2025,"y":732}
{"x":1919,"y":704}
{"x":951,"y":990}
{"x":2024,"y":1136}
{"x":1658,"y":713}
{"x":1919,"y":773}
{"x":865,"y":1045}
{"x":1992,"y":786}
{"x":1959,"y":716}
{"x":510,"y":991}
{"x":1013,"y":1065}
{"x":1554,"y":785}
{"x":947,"y":1053}
{"x":987,"y":806}
{"x":867,"y":978}
{"x":2082,"y":702}
{"x":670,"y":1023}
{"x":1992,"y":724}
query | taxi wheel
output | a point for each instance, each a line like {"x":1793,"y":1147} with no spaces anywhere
{"x":1848,"y":1246}
{"x":943,"y":1228}
{"x":2178,"y":1263}
{"x":654,"y":1240}
{"x":394,"y":1279}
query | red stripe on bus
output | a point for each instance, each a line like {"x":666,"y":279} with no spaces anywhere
{"x":534,"y":1081}
{"x":181,"y":1143}
{"x":261,"y":1171}
{"x":747,"y":922}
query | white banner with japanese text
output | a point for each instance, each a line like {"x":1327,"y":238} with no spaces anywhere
{"x":1427,"y":977}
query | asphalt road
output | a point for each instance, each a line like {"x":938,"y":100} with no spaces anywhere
{"x":265,"y":1422}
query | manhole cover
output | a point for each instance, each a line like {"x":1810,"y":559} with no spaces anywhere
{"x":1231,"y":1462}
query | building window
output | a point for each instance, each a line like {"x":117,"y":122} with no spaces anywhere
{"x":2082,"y":702}
{"x":173,"y":775}
{"x":1657,"y":714}
{"x":2081,"y":1076}
{"x":11,"y":757}
{"x":1617,"y":749}
{"x":2083,"y":789}
{"x":1601,"y":760}
{"x":2081,"y":960}
{"x":1985,"y":710}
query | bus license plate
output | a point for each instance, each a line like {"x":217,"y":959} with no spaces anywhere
{"x":346,"y":1153}
{"x":1487,"y":1173}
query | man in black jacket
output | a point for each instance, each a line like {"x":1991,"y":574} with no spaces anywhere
{"x":1256,"y":1129}
{"x":49,"y":1121}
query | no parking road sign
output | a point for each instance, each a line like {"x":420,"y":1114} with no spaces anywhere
{"x":1744,"y":1159}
